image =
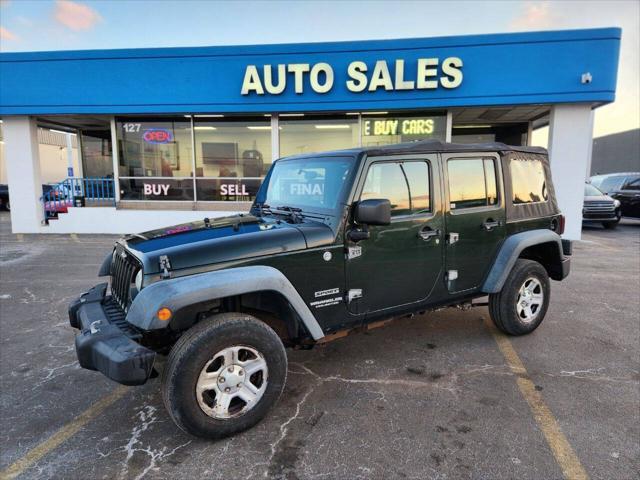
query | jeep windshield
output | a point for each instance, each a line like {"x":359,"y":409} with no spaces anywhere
{"x":308,"y":185}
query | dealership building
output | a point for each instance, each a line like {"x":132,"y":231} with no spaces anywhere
{"x":145,"y":138}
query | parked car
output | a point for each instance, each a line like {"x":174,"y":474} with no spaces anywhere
{"x":334,"y":243}
{"x":600,"y":207}
{"x":4,"y":197}
{"x":624,"y":187}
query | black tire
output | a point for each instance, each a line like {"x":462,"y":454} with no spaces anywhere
{"x":196,"y":348}
{"x":503,"y":306}
{"x":610,"y":225}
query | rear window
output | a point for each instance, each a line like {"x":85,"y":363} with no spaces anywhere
{"x":528,"y":181}
{"x":472,"y":183}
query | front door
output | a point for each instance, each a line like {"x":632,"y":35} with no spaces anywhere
{"x":401,"y":262}
{"x":475,"y":218}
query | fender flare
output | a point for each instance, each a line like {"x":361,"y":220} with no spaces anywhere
{"x":511,"y":250}
{"x":181,"y":292}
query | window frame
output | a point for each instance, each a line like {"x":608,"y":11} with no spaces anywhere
{"x":429,"y":159}
{"x":482,"y":156}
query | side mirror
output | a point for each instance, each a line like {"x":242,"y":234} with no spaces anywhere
{"x":375,"y":211}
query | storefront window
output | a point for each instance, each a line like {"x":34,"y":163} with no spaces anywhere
{"x":389,"y":129}
{"x":96,"y":153}
{"x":232,"y":156}
{"x":308,"y":134}
{"x":155,"y":158}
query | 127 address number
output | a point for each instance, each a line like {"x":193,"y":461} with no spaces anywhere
{"x":131,"y":127}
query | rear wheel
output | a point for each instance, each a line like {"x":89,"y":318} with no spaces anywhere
{"x":224,"y":375}
{"x":523,"y":301}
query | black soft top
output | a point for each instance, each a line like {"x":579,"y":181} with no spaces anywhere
{"x":427,"y":146}
{"x":508,"y":153}
{"x":430,"y":146}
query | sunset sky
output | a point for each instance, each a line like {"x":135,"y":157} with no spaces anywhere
{"x":27,"y":25}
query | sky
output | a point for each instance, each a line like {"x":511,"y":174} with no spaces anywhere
{"x":37,"y":25}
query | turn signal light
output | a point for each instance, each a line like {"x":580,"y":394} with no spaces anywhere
{"x":164,"y":314}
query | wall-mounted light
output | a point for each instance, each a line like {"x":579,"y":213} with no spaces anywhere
{"x":209,"y":116}
{"x":374,"y":113}
{"x":257,"y":127}
{"x":204,"y":127}
{"x":332,"y":127}
{"x":292,"y":114}
{"x":586,"y":78}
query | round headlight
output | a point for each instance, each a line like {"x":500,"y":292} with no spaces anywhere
{"x":139,"y":280}
{"x":616,"y":203}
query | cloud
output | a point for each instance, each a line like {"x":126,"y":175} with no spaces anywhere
{"x":535,"y":16}
{"x":24,"y":21}
{"x":8,"y":35}
{"x":76,"y":16}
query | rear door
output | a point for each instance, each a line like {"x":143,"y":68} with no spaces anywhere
{"x":475,"y":217}
{"x":401,"y":262}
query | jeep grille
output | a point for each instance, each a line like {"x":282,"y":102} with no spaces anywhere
{"x":123,"y":272}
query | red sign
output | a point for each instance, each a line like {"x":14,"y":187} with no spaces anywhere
{"x":157,"y":135}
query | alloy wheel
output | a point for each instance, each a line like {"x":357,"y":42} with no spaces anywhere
{"x":232,"y":382}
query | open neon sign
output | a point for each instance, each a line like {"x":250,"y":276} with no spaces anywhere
{"x":157,"y":135}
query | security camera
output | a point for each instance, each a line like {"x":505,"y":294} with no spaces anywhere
{"x":586,"y":78}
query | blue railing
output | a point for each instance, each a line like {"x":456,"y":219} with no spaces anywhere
{"x":78,"y":192}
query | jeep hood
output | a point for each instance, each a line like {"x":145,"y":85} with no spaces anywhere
{"x":224,"y":239}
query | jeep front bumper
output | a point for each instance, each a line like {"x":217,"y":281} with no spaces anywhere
{"x":106,"y":342}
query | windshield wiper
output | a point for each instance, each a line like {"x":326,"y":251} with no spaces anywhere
{"x":263,"y":208}
{"x":294,"y":212}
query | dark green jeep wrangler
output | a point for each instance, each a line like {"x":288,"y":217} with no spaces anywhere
{"x":334,"y":242}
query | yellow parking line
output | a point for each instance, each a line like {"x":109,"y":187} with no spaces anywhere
{"x":20,"y":237}
{"x":562,"y":451}
{"x":62,"y":435}
{"x":75,"y":238}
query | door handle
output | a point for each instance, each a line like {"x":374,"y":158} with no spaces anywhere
{"x":426,"y":233}
{"x":490,"y":224}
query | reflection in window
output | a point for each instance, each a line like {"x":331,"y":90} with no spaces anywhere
{"x":154,"y":147}
{"x":231,"y":147}
{"x":308,"y":183}
{"x":386,"y":180}
{"x":528,"y":181}
{"x":608,"y":184}
{"x":632,"y":185}
{"x":418,"y":177}
{"x":317,"y":134}
{"x":490,"y":176}
{"x":472,"y":183}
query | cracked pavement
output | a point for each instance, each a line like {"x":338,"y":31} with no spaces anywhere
{"x":429,"y":397}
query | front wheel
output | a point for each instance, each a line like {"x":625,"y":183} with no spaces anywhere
{"x":224,"y":375}
{"x":610,"y":225}
{"x":523,"y":301}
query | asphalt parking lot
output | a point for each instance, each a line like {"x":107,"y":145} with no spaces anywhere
{"x":440,"y":396}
